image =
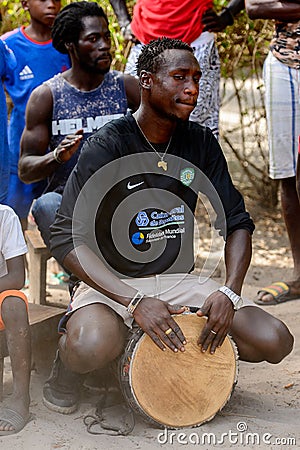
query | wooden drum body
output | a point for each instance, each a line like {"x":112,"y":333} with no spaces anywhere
{"x":182,"y":389}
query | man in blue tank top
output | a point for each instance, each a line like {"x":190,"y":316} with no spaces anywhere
{"x":72,"y":105}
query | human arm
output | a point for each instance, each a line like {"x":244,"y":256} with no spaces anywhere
{"x":273,"y":9}
{"x":7,"y":59}
{"x":35,"y":162}
{"x":151,"y":314}
{"x":13,"y":249}
{"x":121,"y":11}
{"x":217,"y":307}
{"x":15,"y":277}
{"x":217,"y":22}
{"x":132,"y":91}
{"x":124,"y":19}
{"x":235,"y":225}
{"x":73,"y":241}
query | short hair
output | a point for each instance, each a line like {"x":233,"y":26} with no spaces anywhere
{"x":151,"y":54}
{"x":68,"y":23}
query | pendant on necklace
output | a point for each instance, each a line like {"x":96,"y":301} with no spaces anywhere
{"x":163,"y":165}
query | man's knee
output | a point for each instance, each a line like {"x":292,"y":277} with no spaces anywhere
{"x":274,"y":341}
{"x":46,"y":206}
{"x":261,"y":336}
{"x":280,"y":342}
{"x":90,"y":345}
{"x":14,"y":311}
{"x":44,"y":211}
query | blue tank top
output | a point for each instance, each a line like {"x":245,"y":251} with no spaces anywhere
{"x":74,"y":109}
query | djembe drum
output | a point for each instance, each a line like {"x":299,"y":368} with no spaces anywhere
{"x":183,"y":389}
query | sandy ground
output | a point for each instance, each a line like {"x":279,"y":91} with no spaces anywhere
{"x":263,"y":411}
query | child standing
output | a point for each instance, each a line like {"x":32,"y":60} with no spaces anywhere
{"x":37,"y":61}
{"x":14,"y":319}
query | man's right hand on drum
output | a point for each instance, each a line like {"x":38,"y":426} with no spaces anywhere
{"x":154,"y":317}
{"x":219,"y":312}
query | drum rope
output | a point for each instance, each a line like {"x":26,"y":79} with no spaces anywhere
{"x":115,"y":420}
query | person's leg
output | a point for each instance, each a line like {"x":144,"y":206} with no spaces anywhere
{"x":207,"y":110}
{"x":19,"y":198}
{"x":298,"y":172}
{"x":15,"y":319}
{"x":260,"y":336}
{"x":291,"y":213}
{"x":95,"y":336}
{"x":282,"y":100}
{"x":44,"y":211}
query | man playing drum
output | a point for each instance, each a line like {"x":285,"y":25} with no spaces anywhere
{"x":125,"y":228}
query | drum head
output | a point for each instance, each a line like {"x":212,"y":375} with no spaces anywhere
{"x":186,"y":388}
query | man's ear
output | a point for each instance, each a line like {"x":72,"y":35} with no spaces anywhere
{"x":146,"y":79}
{"x":69,"y":46}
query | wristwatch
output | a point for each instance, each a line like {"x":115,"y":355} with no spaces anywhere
{"x":235,"y":299}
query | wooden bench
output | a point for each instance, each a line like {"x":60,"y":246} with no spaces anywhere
{"x":44,"y":337}
{"x":38,"y":256}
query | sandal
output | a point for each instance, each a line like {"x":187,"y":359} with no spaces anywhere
{"x":280,"y":292}
{"x":14,"y":419}
{"x":62,"y":277}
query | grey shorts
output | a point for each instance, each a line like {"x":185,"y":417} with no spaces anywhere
{"x":176,"y":289}
{"x":282,"y":99}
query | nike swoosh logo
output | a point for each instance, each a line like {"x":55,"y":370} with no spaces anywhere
{"x":132,"y":186}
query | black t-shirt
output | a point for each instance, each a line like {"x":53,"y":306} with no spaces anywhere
{"x":137,"y":217}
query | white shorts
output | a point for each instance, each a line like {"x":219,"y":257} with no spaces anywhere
{"x":176,"y":289}
{"x":207,"y":110}
{"x":282,"y":100}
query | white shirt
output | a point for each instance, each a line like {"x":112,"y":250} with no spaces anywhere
{"x":12,"y":242}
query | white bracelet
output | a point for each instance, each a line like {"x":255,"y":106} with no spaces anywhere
{"x":56,"y":156}
{"x":134,"y":302}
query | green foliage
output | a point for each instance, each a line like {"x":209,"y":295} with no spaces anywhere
{"x":12,"y":15}
{"x":243,"y":48}
{"x":244,"y":45}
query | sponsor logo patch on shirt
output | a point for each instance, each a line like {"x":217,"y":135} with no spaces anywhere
{"x":187,"y":176}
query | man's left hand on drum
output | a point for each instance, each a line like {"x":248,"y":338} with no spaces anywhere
{"x":220,"y":312}
{"x":154,"y":317}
